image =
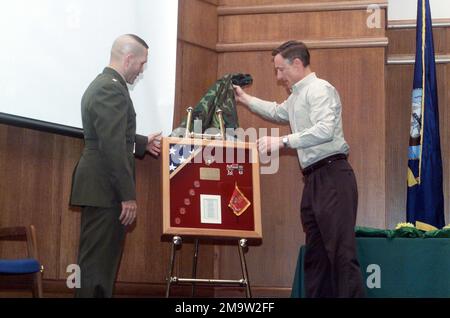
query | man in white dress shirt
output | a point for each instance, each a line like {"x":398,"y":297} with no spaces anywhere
{"x":330,"y":196}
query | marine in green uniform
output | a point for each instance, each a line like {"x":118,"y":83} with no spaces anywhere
{"x":104,"y":179}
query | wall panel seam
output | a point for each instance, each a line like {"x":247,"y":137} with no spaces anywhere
{"x":411,"y":24}
{"x":301,"y":7}
{"x":198,"y":45}
{"x":406,"y":59}
{"x":312,"y":44}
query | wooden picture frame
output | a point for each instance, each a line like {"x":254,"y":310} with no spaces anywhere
{"x":197,"y":175}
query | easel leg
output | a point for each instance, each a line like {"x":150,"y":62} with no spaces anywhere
{"x":194,"y":266}
{"x":241,"y":245}
{"x":175,"y":242}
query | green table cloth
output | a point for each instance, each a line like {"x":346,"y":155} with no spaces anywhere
{"x":397,"y":266}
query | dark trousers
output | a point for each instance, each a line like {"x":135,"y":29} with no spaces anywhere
{"x":328,"y":213}
{"x":101,"y":245}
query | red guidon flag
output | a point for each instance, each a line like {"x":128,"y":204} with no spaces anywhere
{"x":238,"y":202}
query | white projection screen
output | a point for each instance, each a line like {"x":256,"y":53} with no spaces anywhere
{"x":52,"y":49}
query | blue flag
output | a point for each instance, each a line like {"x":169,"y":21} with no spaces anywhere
{"x":425,"y":199}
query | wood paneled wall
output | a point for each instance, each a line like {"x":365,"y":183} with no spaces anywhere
{"x":217,"y":37}
{"x":36,"y":171}
{"x":402,"y":44}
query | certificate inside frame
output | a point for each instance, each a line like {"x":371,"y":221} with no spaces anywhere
{"x":227,"y":171}
{"x":210,"y":209}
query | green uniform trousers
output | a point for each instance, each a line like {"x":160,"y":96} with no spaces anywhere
{"x":101,"y":245}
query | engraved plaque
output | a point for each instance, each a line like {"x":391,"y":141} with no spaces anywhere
{"x":210,"y":174}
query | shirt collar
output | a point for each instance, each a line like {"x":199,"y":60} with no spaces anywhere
{"x":305,"y":81}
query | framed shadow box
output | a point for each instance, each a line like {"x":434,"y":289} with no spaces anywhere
{"x":210,"y":188}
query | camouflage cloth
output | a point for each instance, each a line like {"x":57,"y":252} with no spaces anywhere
{"x":219,"y":96}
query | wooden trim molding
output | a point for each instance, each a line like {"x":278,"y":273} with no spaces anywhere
{"x":401,"y":59}
{"x":312,"y":44}
{"x":213,"y":49}
{"x":301,"y":7}
{"x":213,"y":2}
{"x":411,"y":24}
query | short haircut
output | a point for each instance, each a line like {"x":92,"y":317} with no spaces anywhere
{"x":291,"y":50}
{"x":138,"y":39}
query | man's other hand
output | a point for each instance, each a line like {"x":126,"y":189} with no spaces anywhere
{"x":241,"y":96}
{"x":128,"y":214}
{"x":269,"y":144}
{"x":154,"y":143}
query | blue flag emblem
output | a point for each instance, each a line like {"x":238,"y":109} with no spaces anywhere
{"x":425,"y":199}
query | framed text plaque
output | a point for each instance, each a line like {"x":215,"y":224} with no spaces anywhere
{"x":210,"y":188}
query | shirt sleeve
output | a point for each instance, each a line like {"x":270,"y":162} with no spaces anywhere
{"x":140,"y":146}
{"x":324,"y":106}
{"x":270,"y":110}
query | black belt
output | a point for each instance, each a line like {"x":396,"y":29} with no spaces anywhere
{"x":319,"y":164}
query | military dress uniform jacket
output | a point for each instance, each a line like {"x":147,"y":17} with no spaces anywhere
{"x":105,"y":173}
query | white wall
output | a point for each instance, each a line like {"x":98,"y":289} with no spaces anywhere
{"x":52,"y":49}
{"x":407,"y":9}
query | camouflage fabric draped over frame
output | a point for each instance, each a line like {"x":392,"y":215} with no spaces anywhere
{"x":219,"y":96}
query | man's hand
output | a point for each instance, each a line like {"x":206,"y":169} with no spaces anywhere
{"x":154,"y":143}
{"x":241,"y":96}
{"x":128,"y":214}
{"x":268,"y":144}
